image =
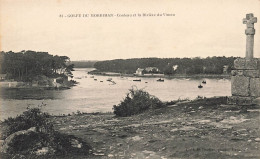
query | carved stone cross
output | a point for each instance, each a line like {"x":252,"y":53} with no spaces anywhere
{"x":250,"y":32}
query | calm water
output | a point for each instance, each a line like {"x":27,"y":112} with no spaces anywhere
{"x":94,"y":96}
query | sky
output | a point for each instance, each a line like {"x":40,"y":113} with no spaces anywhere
{"x":199,"y":28}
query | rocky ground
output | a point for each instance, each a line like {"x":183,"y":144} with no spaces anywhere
{"x":205,"y":128}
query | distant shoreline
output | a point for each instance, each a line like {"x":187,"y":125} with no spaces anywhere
{"x":226,"y":76}
{"x":34,"y":88}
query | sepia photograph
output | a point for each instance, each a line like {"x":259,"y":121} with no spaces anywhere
{"x":124,"y":79}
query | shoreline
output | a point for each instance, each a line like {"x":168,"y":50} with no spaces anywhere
{"x":35,"y":88}
{"x":9,"y":85}
{"x":225,"y":76}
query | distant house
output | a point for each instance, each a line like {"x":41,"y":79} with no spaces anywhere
{"x":174,"y":67}
{"x":2,"y":77}
{"x":152,"y":69}
{"x":225,"y":69}
{"x":139,"y":71}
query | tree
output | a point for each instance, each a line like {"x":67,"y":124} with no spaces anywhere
{"x":26,"y":65}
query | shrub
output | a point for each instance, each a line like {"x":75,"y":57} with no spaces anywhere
{"x":137,"y":101}
{"x":32,"y":117}
{"x":29,"y":142}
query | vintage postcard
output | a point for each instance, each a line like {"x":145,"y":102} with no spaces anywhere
{"x":130,"y":79}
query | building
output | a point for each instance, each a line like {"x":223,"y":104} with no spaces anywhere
{"x":152,"y":70}
{"x":174,"y":67}
{"x":2,"y":77}
{"x":225,"y":69}
{"x":139,"y":71}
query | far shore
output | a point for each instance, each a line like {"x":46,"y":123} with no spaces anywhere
{"x":225,"y":76}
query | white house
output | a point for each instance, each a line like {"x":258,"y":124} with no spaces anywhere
{"x":151,"y":69}
{"x":2,"y":77}
{"x":139,"y":71}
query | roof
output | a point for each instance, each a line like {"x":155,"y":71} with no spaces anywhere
{"x":140,"y":69}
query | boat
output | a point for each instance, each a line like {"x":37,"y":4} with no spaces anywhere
{"x":91,"y":76}
{"x":204,"y":82}
{"x":113,"y":82}
{"x":160,"y":80}
{"x":109,"y":79}
{"x":137,"y":80}
{"x":200,"y":86}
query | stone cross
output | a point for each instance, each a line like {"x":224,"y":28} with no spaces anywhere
{"x":250,"y":32}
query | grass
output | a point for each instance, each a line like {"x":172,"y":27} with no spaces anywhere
{"x":203,"y":128}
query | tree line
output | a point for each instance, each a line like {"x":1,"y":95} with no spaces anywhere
{"x":83,"y":64}
{"x":170,"y":66}
{"x":26,"y":65}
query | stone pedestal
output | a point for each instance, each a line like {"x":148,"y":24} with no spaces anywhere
{"x":245,"y":81}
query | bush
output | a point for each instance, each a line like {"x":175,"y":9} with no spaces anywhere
{"x":137,"y":101}
{"x":29,"y":142}
{"x":32,"y":117}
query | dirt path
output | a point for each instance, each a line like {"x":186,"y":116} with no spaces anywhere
{"x":203,"y":129}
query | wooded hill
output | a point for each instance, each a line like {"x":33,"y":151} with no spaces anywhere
{"x":26,"y":65}
{"x":83,"y":64}
{"x":209,"y":65}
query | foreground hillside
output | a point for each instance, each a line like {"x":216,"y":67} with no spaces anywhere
{"x":205,"y":128}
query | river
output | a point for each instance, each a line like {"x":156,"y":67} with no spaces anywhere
{"x":94,"y":96}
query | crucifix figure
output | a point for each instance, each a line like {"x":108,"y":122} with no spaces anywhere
{"x":250,"y":32}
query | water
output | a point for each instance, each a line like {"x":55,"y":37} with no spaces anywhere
{"x":95,"y":96}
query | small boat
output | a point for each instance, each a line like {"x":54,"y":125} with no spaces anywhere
{"x":95,"y":79}
{"x":160,"y":80}
{"x":204,"y":82}
{"x":137,"y":80}
{"x":101,"y":81}
{"x":91,"y":76}
{"x":113,"y":82}
{"x":109,"y":79}
{"x":146,"y":82}
{"x":200,"y":86}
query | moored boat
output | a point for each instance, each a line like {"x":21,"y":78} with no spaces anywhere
{"x":160,"y":80}
{"x":137,"y":80}
{"x":109,"y":79}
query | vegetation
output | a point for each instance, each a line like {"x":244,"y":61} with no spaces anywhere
{"x":26,"y":65}
{"x":41,"y":140}
{"x":137,"y":101}
{"x":32,"y":117}
{"x":83,"y":64}
{"x":209,"y":65}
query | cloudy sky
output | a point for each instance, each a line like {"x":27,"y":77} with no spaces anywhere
{"x":199,"y":28}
